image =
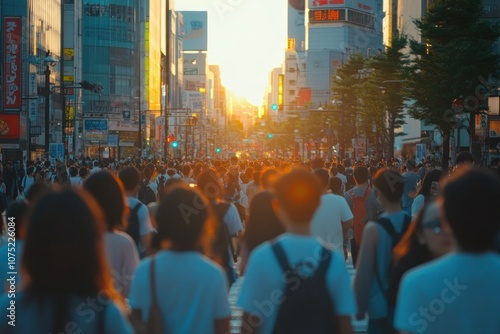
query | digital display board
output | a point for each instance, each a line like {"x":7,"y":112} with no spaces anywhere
{"x":326,"y":15}
{"x":318,"y":16}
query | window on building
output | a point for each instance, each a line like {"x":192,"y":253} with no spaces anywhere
{"x":291,"y":92}
{"x":291,"y":70}
{"x":291,"y":82}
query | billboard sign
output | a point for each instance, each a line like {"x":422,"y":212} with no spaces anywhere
{"x":9,"y":126}
{"x":12,"y":62}
{"x":123,"y":125}
{"x":95,"y":129}
{"x":196,"y":34}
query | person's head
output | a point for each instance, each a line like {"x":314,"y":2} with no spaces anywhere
{"x":108,"y":192}
{"x":464,"y":158}
{"x":335,"y":185}
{"x":83,"y":172}
{"x":323,"y":176}
{"x":16,"y":215}
{"x":317,"y":163}
{"x":130,"y":178}
{"x":30,"y":170}
{"x":73,"y":171}
{"x":411,"y":165}
{"x":334,"y":170}
{"x":182,"y":218}
{"x":37,"y":191}
{"x":297,"y":197}
{"x":74,"y":224}
{"x":263,"y":223}
{"x":389,"y":185}
{"x":470,"y":207}
{"x":361,"y":175}
{"x":434,"y":175}
{"x":209,"y":184}
{"x":268,"y":178}
{"x":426,"y":237}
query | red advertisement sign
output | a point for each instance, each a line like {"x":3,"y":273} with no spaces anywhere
{"x":9,"y":126}
{"x":12,"y":62}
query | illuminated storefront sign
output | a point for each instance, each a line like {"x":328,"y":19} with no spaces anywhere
{"x":12,"y":63}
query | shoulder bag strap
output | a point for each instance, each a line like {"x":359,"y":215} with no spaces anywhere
{"x":281,"y":256}
{"x":152,"y":281}
{"x":389,"y":228}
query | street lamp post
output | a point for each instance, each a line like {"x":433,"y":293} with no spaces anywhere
{"x":48,"y":62}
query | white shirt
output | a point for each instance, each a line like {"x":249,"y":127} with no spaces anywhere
{"x":191,"y":290}
{"x":76,"y":181}
{"x":233,"y":221}
{"x":264,"y":278}
{"x":27,"y":182}
{"x":327,"y":221}
{"x":122,"y":258}
{"x":418,"y":203}
{"x":457,"y":293}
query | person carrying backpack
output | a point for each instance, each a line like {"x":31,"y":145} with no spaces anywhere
{"x":295,"y":284}
{"x":371,"y":283}
{"x":146,"y":194}
{"x":139,"y":226}
{"x":364,"y":206}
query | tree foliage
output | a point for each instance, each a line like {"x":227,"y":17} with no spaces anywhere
{"x":456,"y":48}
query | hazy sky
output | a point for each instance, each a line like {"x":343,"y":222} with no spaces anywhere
{"x":247,"y":38}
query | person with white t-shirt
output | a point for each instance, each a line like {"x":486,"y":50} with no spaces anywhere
{"x":130,"y":178}
{"x":333,"y":217}
{"x":458,"y":293}
{"x":190,"y":289}
{"x":121,"y":250}
{"x":262,"y":293}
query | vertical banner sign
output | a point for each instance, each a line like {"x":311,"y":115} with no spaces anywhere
{"x":33,"y":98}
{"x":12,"y":62}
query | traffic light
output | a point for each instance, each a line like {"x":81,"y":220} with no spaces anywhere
{"x":175,"y":144}
{"x":169,"y":139}
{"x":274,"y":106}
{"x":217,"y":150}
{"x":280,"y":107}
{"x":269,"y":135}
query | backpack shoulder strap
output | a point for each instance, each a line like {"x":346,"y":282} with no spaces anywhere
{"x":220,"y":209}
{"x":136,"y":208}
{"x":281,"y":256}
{"x":387,"y":225}
{"x":324,"y":262}
{"x":367,"y":192}
{"x":152,"y":280}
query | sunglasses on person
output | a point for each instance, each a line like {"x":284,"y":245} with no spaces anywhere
{"x":434,"y":225}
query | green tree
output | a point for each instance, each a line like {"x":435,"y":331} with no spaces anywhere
{"x":384,"y":97}
{"x":456,"y":48}
{"x":347,"y":87}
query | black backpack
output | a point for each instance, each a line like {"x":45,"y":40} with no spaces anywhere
{"x":146,"y":194}
{"x":3,"y":202}
{"x":395,"y":238}
{"x":307,"y":306}
{"x":133,"y":228}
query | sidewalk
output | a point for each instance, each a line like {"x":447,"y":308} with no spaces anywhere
{"x":237,"y":314}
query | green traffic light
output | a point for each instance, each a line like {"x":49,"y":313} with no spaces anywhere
{"x":175,"y":144}
{"x":217,"y":150}
{"x":274,"y":106}
{"x":269,"y":135}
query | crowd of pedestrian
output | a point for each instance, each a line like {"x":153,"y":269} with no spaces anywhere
{"x":151,"y":247}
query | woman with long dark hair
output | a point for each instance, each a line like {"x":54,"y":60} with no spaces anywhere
{"x":121,"y":251}
{"x":263,"y":225}
{"x":67,"y":280}
{"x":192,"y":296}
{"x":424,"y":241}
